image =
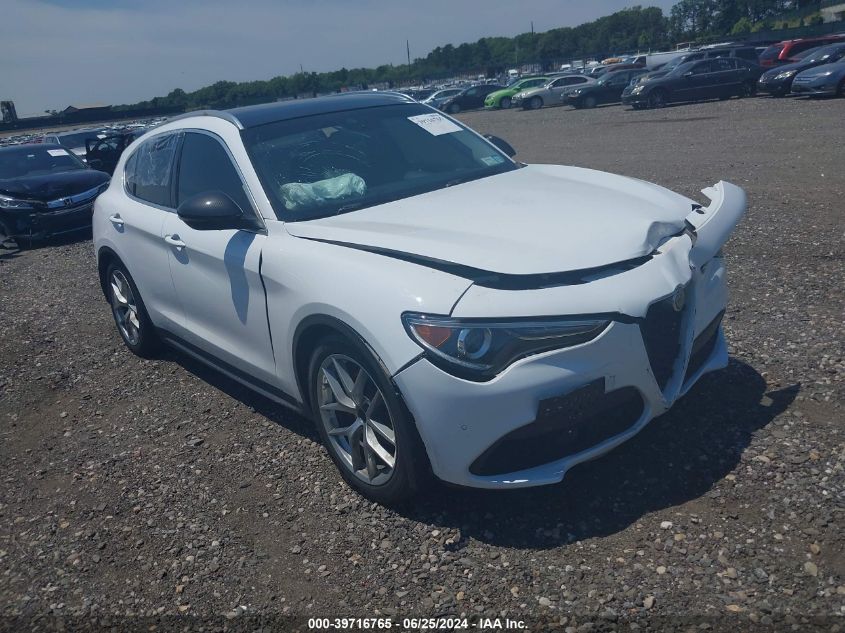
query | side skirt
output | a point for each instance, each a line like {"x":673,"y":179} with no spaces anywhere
{"x":238,"y":375}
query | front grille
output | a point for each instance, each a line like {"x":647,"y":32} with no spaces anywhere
{"x":661,"y":332}
{"x":565,"y":425}
{"x":703,"y":346}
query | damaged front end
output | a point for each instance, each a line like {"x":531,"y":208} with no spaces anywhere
{"x":22,"y":219}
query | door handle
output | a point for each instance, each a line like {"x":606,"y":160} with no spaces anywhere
{"x":174,"y":241}
{"x":116,"y":220}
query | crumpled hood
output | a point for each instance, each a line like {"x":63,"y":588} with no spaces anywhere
{"x":53,"y":186}
{"x":539,"y":219}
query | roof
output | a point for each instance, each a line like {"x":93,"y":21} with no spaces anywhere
{"x":253,"y":116}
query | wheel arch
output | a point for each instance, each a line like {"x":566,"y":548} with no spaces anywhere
{"x":105,"y":257}
{"x":307,"y":335}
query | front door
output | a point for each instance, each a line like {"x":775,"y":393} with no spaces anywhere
{"x":216,"y":273}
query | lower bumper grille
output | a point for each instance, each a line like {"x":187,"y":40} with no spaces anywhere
{"x":565,"y":425}
{"x":661,"y":332}
{"x":703,"y":346}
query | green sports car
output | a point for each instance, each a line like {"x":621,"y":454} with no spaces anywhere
{"x":502,"y":98}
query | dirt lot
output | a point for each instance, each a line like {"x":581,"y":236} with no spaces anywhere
{"x":154,"y":488}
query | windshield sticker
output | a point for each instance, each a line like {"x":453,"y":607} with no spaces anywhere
{"x":57,"y":152}
{"x":434,"y":124}
{"x":492,"y":160}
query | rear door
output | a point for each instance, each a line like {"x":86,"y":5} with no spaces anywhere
{"x":136,"y":226}
{"x":725,"y":77}
{"x":613,"y":87}
{"x":216,"y":273}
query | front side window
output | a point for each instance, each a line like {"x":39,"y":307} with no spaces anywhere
{"x":148,"y":171}
{"x":205,"y":166}
{"x":342,"y":161}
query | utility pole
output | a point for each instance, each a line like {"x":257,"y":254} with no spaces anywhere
{"x":408,"y":50}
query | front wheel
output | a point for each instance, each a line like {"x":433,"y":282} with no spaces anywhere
{"x":364,"y":424}
{"x":535,"y":103}
{"x":505,"y":103}
{"x":840,"y":89}
{"x":590,"y":102}
{"x":657,"y":99}
{"x":130,"y":314}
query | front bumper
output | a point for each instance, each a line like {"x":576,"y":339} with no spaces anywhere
{"x":39,"y":224}
{"x":822,"y":86}
{"x":774,"y":86}
{"x":634,"y":99}
{"x":503,"y":433}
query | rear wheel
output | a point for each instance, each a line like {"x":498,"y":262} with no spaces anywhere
{"x":363,"y":423}
{"x":749,"y":89}
{"x":535,"y":103}
{"x":657,"y":99}
{"x":505,"y":103}
{"x":129,"y":312}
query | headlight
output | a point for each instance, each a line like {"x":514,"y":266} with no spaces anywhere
{"x":12,"y":203}
{"x":785,"y":75}
{"x":637,"y":90}
{"x":479,"y":349}
{"x":577,"y":91}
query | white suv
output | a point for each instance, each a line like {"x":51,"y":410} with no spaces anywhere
{"x":435,"y":306}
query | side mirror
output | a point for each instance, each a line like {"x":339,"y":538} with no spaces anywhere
{"x":502,"y":144}
{"x":213,"y":210}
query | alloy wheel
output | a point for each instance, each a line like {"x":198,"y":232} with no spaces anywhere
{"x":356,"y":419}
{"x":505,"y":103}
{"x":125,"y":308}
{"x":657,"y":99}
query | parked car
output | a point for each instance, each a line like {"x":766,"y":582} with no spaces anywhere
{"x":437,"y":99}
{"x":785,"y":52}
{"x":103,"y":153}
{"x":608,"y":89}
{"x":778,"y":81}
{"x":502,"y":98}
{"x":721,"y":78}
{"x":361,"y":259}
{"x":551,"y":92}
{"x":75,"y":140}
{"x":469,"y":98}
{"x":825,"y":80}
{"x":599,"y":71}
{"x":45,"y":190}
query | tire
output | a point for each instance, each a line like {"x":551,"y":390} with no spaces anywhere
{"x":637,"y":106}
{"x":749,"y":89}
{"x":378,"y":412}
{"x":840,"y":89}
{"x":657,"y":99}
{"x":590,"y":102}
{"x":453,"y":108}
{"x":129,"y":313}
{"x":535,"y":103}
{"x":505,"y":103}
{"x":8,"y":244}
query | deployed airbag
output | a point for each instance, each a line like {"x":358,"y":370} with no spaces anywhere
{"x":298,"y":195}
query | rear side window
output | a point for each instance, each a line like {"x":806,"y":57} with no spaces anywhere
{"x":772,"y":52}
{"x":205,"y":166}
{"x":148,"y":170}
{"x":747,"y":53}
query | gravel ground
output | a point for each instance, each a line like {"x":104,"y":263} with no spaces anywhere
{"x":148,"y":489}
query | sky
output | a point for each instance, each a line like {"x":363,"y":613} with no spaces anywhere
{"x":54,"y":53}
